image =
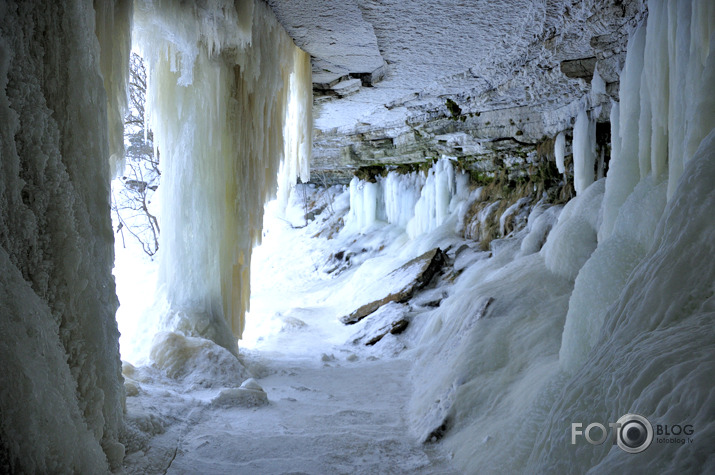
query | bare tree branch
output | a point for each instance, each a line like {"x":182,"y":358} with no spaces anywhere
{"x":142,"y":171}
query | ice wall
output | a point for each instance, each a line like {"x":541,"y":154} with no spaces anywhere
{"x":229,"y":96}
{"x":616,"y":313}
{"x":653,"y":353}
{"x":61,"y":391}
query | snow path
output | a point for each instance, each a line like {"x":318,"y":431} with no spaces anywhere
{"x":336,"y":417}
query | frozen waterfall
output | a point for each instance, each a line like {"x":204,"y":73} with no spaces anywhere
{"x":230,"y":99}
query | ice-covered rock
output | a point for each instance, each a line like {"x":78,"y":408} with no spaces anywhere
{"x":401,"y":284}
{"x":250,"y":394}
{"x":390,"y":318}
{"x":197,"y":362}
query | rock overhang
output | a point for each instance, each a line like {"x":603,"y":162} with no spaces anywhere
{"x":514,"y":69}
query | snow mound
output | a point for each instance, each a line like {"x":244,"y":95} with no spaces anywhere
{"x":197,"y":362}
{"x":250,"y":394}
{"x":292,"y":324}
{"x":573,"y":239}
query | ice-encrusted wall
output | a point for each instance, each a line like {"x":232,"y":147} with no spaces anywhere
{"x":61,"y":391}
{"x":230,"y":103}
{"x":614,"y":314}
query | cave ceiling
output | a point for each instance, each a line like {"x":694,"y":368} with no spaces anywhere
{"x":382,"y":65}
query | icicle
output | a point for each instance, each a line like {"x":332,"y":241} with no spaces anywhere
{"x":654,"y":93}
{"x":624,"y":173}
{"x":413,"y":201}
{"x":559,"y":150}
{"x":364,"y":200}
{"x":297,"y":139}
{"x":693,"y":74}
{"x":667,"y":79}
{"x":369,"y":204}
{"x":432,"y":209}
{"x":598,"y":85}
{"x":401,"y":193}
{"x":662,"y":73}
{"x":584,"y":151}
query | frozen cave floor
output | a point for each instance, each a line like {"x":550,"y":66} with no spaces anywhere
{"x":322,"y":417}
{"x":334,"y":405}
{"x":332,"y":418}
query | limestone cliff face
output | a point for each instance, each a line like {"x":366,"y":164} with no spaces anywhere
{"x":485,"y":82}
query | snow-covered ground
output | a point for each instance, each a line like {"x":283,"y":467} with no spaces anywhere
{"x":334,"y":406}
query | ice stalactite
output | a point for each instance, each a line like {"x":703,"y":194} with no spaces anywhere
{"x":598,"y":85}
{"x":416,"y":201}
{"x":652,"y":354}
{"x":666,"y":108}
{"x":623,"y":173}
{"x":401,"y":195}
{"x":432,"y":209}
{"x":645,"y":157}
{"x":297,"y":140}
{"x":62,"y":396}
{"x":584,"y":151}
{"x":226,"y":85}
{"x":363,"y":203}
{"x":559,"y":152}
{"x":642,"y":171}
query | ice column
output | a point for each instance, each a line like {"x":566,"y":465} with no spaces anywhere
{"x":667,"y":106}
{"x":229,"y":96}
{"x":432,"y":208}
{"x":645,"y":166}
{"x":584,"y":151}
